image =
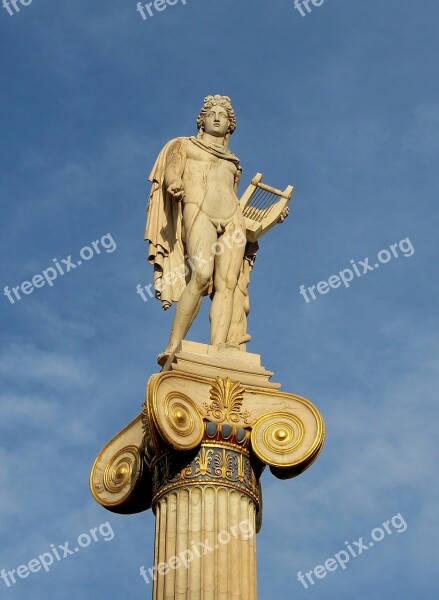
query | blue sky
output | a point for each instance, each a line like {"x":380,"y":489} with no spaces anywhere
{"x":343,"y":103}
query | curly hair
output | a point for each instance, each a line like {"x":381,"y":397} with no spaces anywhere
{"x":217,"y":100}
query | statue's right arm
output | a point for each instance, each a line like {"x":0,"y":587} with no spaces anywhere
{"x":173,"y":170}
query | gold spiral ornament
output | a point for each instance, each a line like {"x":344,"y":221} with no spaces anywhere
{"x":179,"y":421}
{"x":118,"y":473}
{"x":282,"y":439}
{"x":115,"y":482}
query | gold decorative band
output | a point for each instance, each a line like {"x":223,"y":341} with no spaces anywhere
{"x":214,"y":464}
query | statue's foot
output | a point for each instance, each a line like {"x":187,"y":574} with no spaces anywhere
{"x":163,"y":357}
{"x":234,"y":345}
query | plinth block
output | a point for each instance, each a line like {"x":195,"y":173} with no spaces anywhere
{"x":220,"y":361}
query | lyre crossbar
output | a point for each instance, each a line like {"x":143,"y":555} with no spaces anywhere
{"x":262,"y":206}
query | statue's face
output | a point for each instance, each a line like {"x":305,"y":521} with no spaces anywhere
{"x":216,"y":121}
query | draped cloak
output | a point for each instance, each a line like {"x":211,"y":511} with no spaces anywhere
{"x":164,"y":232}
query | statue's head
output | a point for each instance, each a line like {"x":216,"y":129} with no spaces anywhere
{"x":217,"y":117}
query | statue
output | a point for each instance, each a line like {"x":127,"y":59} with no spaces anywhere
{"x":197,"y":231}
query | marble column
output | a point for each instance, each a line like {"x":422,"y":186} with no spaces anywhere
{"x":205,"y":508}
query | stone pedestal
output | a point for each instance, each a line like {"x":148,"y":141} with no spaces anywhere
{"x":212,"y":420}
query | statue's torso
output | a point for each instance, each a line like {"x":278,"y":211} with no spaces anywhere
{"x":209,"y":183}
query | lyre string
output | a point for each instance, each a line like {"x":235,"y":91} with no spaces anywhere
{"x":256,"y":202}
{"x":260,"y":204}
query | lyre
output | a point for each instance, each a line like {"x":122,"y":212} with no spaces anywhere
{"x":262,"y":206}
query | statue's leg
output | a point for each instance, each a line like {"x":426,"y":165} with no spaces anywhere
{"x":227,"y":269}
{"x":200,"y":235}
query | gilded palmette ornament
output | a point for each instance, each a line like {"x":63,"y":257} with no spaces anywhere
{"x":226,"y":401}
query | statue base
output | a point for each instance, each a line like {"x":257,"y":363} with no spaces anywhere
{"x":219,"y":361}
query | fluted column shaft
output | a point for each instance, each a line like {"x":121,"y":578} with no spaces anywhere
{"x":205,"y":536}
{"x":205,"y":547}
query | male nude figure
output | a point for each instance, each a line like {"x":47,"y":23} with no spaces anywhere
{"x":203,"y":175}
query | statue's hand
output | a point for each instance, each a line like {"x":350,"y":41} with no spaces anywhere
{"x":284,"y":214}
{"x":176,"y":189}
